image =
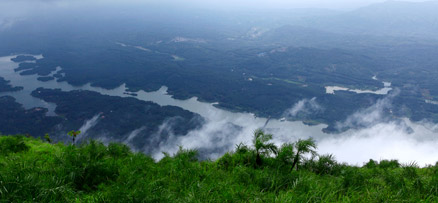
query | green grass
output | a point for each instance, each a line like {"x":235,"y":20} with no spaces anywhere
{"x":34,"y":171}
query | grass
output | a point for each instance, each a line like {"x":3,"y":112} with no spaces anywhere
{"x":34,"y":171}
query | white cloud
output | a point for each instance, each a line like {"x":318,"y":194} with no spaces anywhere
{"x":384,"y":141}
{"x":304,"y":106}
{"x":88,"y":124}
{"x":375,"y":136}
{"x":371,"y":115}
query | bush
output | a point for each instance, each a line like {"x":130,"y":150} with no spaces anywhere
{"x":353,"y":179}
{"x":12,"y":144}
{"x":117,"y":150}
{"x":93,"y":172}
{"x":189,"y":155}
{"x":243,"y":156}
{"x":285,"y":155}
{"x":371,"y":164}
{"x":386,"y":164}
{"x":326,"y":164}
{"x":87,"y":166}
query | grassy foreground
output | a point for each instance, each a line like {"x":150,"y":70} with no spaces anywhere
{"x":35,"y":171}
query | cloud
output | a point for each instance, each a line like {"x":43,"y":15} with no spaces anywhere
{"x":377,"y":113}
{"x":7,"y":23}
{"x":384,"y":141}
{"x":304,"y":106}
{"x":212,"y":139}
{"x":131,"y":136}
{"x":373,"y":134}
{"x":223,"y":130}
{"x":87,"y":126}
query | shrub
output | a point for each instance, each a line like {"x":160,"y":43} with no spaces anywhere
{"x":353,"y":178}
{"x":87,"y":166}
{"x":118,"y":150}
{"x":371,"y":164}
{"x":389,"y":164}
{"x":12,"y":144}
{"x":189,"y":155}
{"x":325,"y":164}
{"x":285,"y":155}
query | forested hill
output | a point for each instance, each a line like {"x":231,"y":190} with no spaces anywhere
{"x":32,"y":170}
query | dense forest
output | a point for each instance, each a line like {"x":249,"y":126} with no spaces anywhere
{"x":34,"y":120}
{"x":118,"y":117}
{"x":33,"y":170}
{"x":137,"y":123}
{"x":6,"y":87}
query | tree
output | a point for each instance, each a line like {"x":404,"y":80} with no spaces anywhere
{"x":262,"y":145}
{"x":73,"y":134}
{"x":286,"y":154}
{"x":303,"y":147}
{"x":47,"y":137}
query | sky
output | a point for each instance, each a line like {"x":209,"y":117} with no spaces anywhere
{"x":15,"y":10}
{"x":239,"y":4}
{"x":288,"y":4}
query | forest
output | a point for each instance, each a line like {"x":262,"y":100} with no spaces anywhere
{"x":6,"y":87}
{"x":38,"y":170}
{"x":34,"y":121}
{"x":116,"y":117}
{"x":255,"y":76}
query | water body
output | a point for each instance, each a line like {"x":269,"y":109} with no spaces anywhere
{"x":173,"y":56}
{"x":384,"y":91}
{"x":224,"y":129}
{"x":431,"y":101}
{"x":29,"y":83}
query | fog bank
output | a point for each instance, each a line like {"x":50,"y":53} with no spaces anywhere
{"x":374,"y":134}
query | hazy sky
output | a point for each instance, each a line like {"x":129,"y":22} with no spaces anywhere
{"x":330,"y":4}
{"x":244,"y":4}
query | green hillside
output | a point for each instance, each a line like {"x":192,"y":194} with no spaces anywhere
{"x":32,"y":170}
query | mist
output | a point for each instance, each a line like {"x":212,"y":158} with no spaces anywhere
{"x":304,"y":106}
{"x":88,"y":124}
{"x":373,"y":134}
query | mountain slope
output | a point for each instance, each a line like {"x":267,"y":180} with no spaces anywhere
{"x":33,"y":171}
{"x":392,"y":18}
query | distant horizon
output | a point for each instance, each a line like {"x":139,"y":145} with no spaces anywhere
{"x":336,"y":5}
{"x":259,"y":5}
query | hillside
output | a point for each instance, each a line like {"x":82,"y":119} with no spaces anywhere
{"x":390,"y":18}
{"x":32,"y":170}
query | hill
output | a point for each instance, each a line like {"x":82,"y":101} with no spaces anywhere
{"x":391,"y":18}
{"x":32,"y":170}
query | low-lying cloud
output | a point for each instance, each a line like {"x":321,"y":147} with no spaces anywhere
{"x":304,"y":106}
{"x":388,"y":140}
{"x":375,"y":114}
{"x":88,"y":124}
{"x":372,"y":135}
